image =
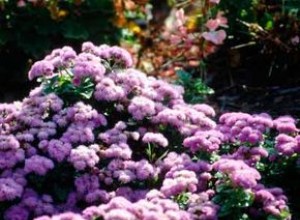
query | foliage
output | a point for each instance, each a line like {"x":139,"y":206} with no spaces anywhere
{"x":116,"y":154}
{"x":38,"y":26}
{"x":170,"y":34}
{"x":270,"y":27}
{"x":233,"y":201}
{"x":195,"y":89}
{"x":64,"y":87}
{"x":30,"y":29}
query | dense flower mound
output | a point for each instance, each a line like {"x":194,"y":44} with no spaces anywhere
{"x":99,"y":140}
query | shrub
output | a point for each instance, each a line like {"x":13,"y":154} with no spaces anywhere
{"x":36,"y":26}
{"x":100,"y":140}
{"x":29,"y":29}
{"x":264,"y":35}
{"x":172,"y":34}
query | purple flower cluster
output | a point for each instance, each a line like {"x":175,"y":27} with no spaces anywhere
{"x":10,"y":152}
{"x":239,"y":173}
{"x":185,"y":118}
{"x":155,"y":138}
{"x":81,"y":119}
{"x":178,"y":182}
{"x":9,"y":189}
{"x":57,"y":149}
{"x":244,"y":127}
{"x":31,"y":202}
{"x":128,"y":171}
{"x":87,"y":65}
{"x":114,"y":135}
{"x":61,"y":57}
{"x":107,"y":90}
{"x":287,"y":145}
{"x":118,"y":55}
{"x":57,"y":59}
{"x":285,"y":124}
{"x":88,"y":189}
{"x":41,"y":68}
{"x":121,"y":209}
{"x":7,"y":117}
{"x":115,"y":156}
{"x":200,"y":206}
{"x":272,"y":199}
{"x":140,"y":107}
{"x":121,"y":150}
{"x":38,"y":164}
{"x":207,"y":141}
{"x":83,"y":157}
{"x":249,"y":155}
{"x":90,"y":63}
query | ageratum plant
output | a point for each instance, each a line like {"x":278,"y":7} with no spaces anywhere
{"x":100,"y":140}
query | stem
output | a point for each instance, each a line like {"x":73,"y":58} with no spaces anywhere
{"x":150,"y":152}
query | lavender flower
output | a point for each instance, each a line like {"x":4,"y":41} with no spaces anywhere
{"x":64,"y":216}
{"x":9,"y":159}
{"x":140,"y":107}
{"x":208,"y":141}
{"x":287,"y":145}
{"x":41,"y":68}
{"x":82,"y":157}
{"x":238,"y":172}
{"x":9,"y":189}
{"x":58,"y":150}
{"x":114,"y":135}
{"x":120,"y":56}
{"x":107,"y":90}
{"x":244,"y":127}
{"x":93,"y":69}
{"x":121,"y":150}
{"x":178,"y":182}
{"x":285,"y":124}
{"x":155,"y":138}
{"x":8,"y":143}
{"x":17,"y":212}
{"x":38,"y":164}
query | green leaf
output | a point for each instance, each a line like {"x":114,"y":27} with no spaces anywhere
{"x":285,"y":214}
{"x":225,"y":210}
{"x":183,"y":75}
{"x":87,"y":94}
{"x":272,"y":217}
{"x":243,"y":13}
{"x":269,"y":25}
{"x":217,"y":199}
{"x":267,"y":21}
{"x":219,"y":175}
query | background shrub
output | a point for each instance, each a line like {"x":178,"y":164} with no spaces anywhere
{"x":31,"y":29}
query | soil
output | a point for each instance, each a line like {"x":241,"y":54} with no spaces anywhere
{"x":272,"y":100}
